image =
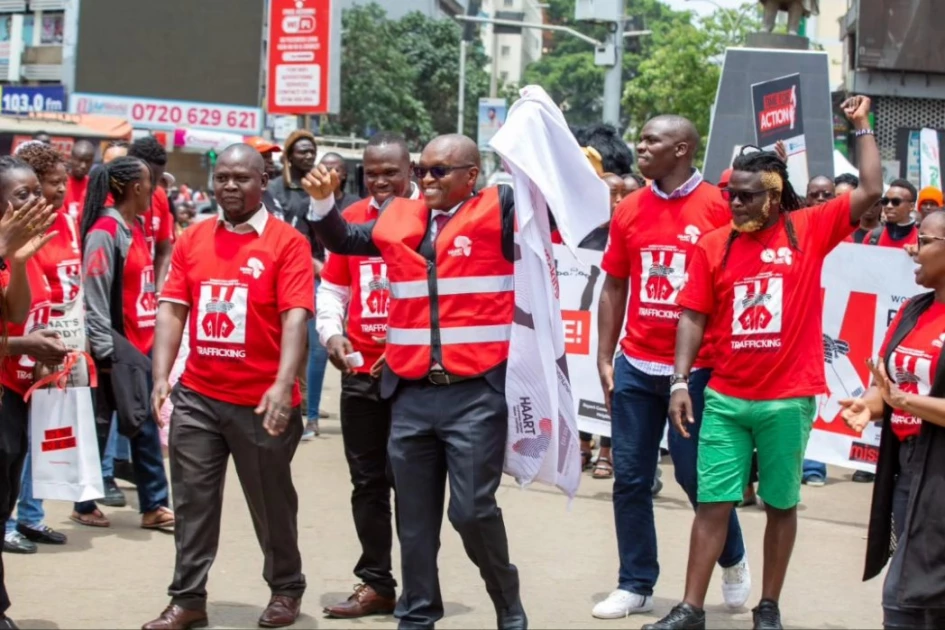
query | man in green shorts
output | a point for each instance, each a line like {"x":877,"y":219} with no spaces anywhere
{"x":757,"y":284}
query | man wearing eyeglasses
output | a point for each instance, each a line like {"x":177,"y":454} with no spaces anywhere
{"x":449,"y":263}
{"x":898,"y":205}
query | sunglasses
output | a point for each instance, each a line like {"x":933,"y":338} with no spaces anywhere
{"x":745,"y":196}
{"x":823,"y":194}
{"x":438,"y":172}
{"x":928,"y":239}
{"x":895,"y":202}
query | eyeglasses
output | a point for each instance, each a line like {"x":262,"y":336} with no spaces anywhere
{"x":895,"y":202}
{"x":745,"y":196}
{"x":928,"y":239}
{"x":439,"y":171}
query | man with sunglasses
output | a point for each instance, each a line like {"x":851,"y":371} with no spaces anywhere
{"x":898,"y":205}
{"x":820,"y":189}
{"x":652,"y":234}
{"x":449,"y":262}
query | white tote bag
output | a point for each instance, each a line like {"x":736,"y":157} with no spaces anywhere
{"x":63,"y":442}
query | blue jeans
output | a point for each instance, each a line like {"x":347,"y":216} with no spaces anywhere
{"x":640,"y":406}
{"x":812,"y":468}
{"x":117,"y":447}
{"x":29,"y":511}
{"x":147,"y":460}
{"x":317,"y":362}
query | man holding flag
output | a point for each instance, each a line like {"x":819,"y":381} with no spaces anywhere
{"x":450,"y":262}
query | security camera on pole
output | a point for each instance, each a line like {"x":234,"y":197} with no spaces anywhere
{"x":610,"y":53}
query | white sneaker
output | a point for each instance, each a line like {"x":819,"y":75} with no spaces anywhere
{"x":736,"y":584}
{"x":621,"y":603}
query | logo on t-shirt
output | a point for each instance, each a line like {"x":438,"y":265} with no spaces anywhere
{"x":69,"y":274}
{"x":97,"y":265}
{"x":757,"y":309}
{"x":664,"y":274}
{"x":375,"y":289}
{"x":690,"y":235}
{"x":782,"y":256}
{"x":221,"y":314}
{"x":254,"y":268}
{"x":147,"y":298}
{"x":462,"y":246}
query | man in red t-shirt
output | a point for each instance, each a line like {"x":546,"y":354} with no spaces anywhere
{"x":158,"y":222}
{"x":359,"y":284}
{"x":898,"y":207}
{"x":756,"y":284}
{"x":652,"y":234}
{"x":244,"y":285}
{"x":80,"y":163}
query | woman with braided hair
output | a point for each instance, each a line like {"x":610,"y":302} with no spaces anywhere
{"x":25,"y":342}
{"x":758,"y":282}
{"x":121,"y":307}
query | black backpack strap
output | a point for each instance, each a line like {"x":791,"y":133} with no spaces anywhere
{"x":116,"y":308}
{"x":875,"y":235}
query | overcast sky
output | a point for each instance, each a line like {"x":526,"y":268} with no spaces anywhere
{"x":702,"y":6}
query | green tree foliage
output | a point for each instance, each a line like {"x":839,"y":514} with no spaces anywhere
{"x":680,"y":75}
{"x":403,"y":75}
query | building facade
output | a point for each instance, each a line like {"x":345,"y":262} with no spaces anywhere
{"x":512,"y":50}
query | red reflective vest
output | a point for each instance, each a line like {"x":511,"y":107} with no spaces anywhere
{"x":458,"y":312}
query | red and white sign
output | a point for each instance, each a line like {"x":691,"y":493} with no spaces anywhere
{"x":299,"y":66}
{"x":153,"y":113}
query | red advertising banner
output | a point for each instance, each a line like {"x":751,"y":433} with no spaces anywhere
{"x":299,"y":48}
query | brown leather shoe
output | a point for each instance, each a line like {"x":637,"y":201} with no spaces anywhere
{"x":363,"y":602}
{"x":281,"y":611}
{"x":177,"y":618}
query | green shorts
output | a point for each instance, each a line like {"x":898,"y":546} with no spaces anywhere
{"x":733,"y":428}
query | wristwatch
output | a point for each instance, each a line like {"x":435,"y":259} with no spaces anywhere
{"x":679,"y":378}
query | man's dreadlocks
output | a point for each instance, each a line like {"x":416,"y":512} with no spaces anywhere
{"x":758,"y":161}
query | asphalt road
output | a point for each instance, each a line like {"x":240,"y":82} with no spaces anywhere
{"x":117,"y":578}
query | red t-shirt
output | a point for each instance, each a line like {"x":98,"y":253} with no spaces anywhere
{"x":61,"y":260}
{"x":764,"y":305}
{"x":75,"y":197}
{"x":140,"y":294}
{"x":912,"y":238}
{"x":237,"y":286}
{"x":370,"y":291}
{"x":651,"y":240}
{"x":913,"y":362}
{"x":17,"y":371}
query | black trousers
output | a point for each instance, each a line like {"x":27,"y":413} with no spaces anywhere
{"x":204,"y":433}
{"x":365,"y":428}
{"x":14,"y":423}
{"x":456,"y":432}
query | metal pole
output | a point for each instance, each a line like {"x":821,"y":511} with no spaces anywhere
{"x":494,"y":78}
{"x":461,"y":106}
{"x":613,"y":82}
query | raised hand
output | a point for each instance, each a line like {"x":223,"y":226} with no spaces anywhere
{"x":22,"y":231}
{"x":320,"y":183}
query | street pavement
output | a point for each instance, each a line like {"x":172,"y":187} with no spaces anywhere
{"x":567,"y":558}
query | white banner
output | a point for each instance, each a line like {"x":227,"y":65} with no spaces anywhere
{"x":930,"y":162}
{"x":863,"y":289}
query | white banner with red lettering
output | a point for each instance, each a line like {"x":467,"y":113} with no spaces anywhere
{"x":863,"y":288}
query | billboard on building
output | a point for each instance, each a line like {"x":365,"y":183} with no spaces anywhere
{"x":901,"y":35}
{"x":492,"y":113}
{"x":180,"y":50}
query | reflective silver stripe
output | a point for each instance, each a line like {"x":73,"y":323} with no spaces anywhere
{"x":449,"y":336}
{"x":475,"y":334}
{"x":474,"y":284}
{"x":408,"y":336}
{"x":412,"y":289}
{"x":453,"y":286}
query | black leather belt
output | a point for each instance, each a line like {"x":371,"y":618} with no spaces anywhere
{"x":439,"y":377}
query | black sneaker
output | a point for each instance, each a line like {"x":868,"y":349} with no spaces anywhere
{"x":861,"y":476}
{"x":767,"y":616}
{"x":681,"y":617}
{"x":14,"y":542}
{"x":114,"y":497}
